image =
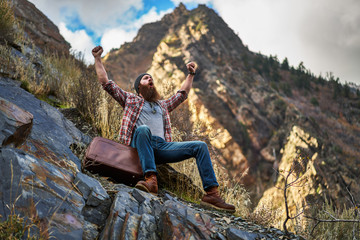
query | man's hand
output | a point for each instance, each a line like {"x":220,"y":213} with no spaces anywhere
{"x":191,"y":67}
{"x":97,"y":51}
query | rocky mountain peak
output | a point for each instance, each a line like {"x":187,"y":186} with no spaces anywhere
{"x":181,"y":9}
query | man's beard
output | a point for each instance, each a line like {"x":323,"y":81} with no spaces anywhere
{"x":149,"y":94}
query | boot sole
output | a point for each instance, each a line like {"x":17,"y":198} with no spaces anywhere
{"x":143,"y":188}
{"x":208,"y":205}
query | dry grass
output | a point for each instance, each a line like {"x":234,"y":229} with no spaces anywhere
{"x":8,"y":23}
{"x":266,"y":214}
{"x":333,"y":230}
{"x":18,"y":226}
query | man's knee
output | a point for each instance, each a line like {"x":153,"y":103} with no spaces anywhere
{"x":202,"y":146}
{"x":143,"y":131}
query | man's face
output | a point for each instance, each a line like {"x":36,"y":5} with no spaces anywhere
{"x":147,"y":89}
{"x":147,"y":81}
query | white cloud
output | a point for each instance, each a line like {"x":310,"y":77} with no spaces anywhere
{"x":115,"y":37}
{"x":324,"y":34}
{"x":151,"y":16}
{"x":177,"y":2}
{"x":113,"y":21}
{"x":79,"y":40}
{"x":95,"y":15}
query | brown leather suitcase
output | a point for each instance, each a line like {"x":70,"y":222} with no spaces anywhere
{"x":115,"y":160}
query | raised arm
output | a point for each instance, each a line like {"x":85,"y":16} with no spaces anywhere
{"x":191,"y":67}
{"x":99,"y":67}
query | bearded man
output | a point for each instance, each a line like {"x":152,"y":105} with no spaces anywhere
{"x":146,"y":127}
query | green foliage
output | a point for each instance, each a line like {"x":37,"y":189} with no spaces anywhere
{"x":346,"y":90}
{"x":314,"y":101}
{"x":301,"y":68}
{"x":302,"y":81}
{"x":199,"y":25}
{"x":258,"y":64}
{"x":285,"y":64}
{"x":17,"y":227}
{"x":286,"y":89}
{"x":245,"y":60}
{"x":25,"y":85}
{"x":274,"y":86}
{"x":273,"y":62}
{"x":280,"y":104}
{"x":337,"y":149}
{"x":275,"y":76}
{"x":266,"y":68}
{"x":12,"y":228}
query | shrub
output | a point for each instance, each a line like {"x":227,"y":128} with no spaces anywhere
{"x":314,"y":101}
{"x":286,"y":89}
{"x":7,"y":22}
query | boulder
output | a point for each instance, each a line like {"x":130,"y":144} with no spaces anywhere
{"x":15,"y":124}
{"x":51,"y":133}
{"x":97,"y":200}
{"x":182,"y":222}
{"x":34,"y":188}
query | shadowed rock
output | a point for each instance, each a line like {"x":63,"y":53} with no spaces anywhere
{"x":15,"y":123}
{"x":97,"y":200}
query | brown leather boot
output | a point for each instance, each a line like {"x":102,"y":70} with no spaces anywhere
{"x":212,"y":199}
{"x":150,"y":183}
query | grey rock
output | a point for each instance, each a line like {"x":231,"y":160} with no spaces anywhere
{"x":91,"y":189}
{"x":97,"y":200}
{"x":220,"y":236}
{"x":130,"y":226}
{"x":181,"y":222}
{"x":15,"y":124}
{"x":34,"y":186}
{"x":237,"y":234}
{"x":51,"y":133}
{"x":90,"y":231}
{"x":147,"y":228}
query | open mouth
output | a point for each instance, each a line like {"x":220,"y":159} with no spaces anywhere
{"x":151,"y":84}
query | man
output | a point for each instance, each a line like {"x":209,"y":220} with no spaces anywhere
{"x":146,"y":127}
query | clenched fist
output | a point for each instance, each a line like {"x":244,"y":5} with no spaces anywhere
{"x":97,"y":51}
{"x":191,"y":67}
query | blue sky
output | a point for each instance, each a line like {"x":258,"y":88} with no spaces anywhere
{"x":324,"y":34}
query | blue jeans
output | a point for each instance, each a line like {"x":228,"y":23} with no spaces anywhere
{"x":154,"y":150}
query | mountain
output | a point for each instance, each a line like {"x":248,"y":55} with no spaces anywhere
{"x":258,"y":114}
{"x":45,"y":191}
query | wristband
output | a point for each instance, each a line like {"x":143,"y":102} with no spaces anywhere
{"x":192,"y":73}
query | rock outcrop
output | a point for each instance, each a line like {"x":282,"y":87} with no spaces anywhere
{"x":40,"y":29}
{"x":42,"y":181}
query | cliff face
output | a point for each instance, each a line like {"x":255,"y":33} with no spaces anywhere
{"x":43,"y":33}
{"x":249,"y":110}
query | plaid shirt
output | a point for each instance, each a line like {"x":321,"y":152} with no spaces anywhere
{"x":133,"y":105}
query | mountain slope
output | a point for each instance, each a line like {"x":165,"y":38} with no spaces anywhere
{"x":249,"y":105}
